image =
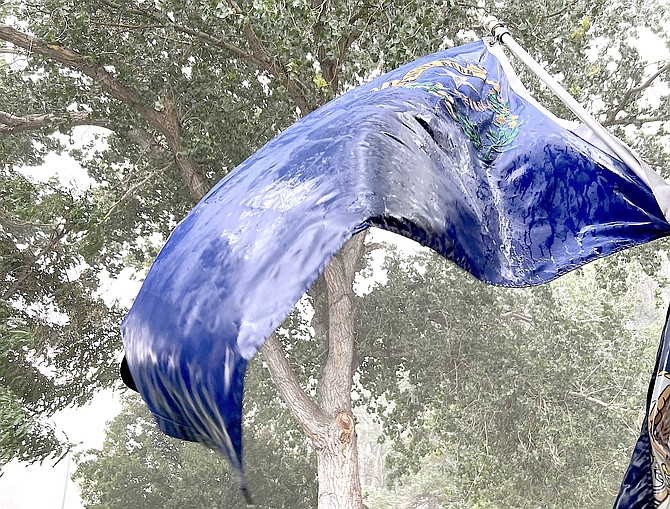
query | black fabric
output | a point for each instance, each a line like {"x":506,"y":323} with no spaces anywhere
{"x":126,"y":376}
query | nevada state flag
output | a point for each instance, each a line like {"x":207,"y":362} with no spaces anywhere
{"x":450,"y":151}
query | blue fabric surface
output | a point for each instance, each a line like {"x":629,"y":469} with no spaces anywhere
{"x":646,"y":484}
{"x":442,"y":151}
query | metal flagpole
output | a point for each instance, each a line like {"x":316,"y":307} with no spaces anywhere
{"x":502,"y":34}
{"x":67,"y":480}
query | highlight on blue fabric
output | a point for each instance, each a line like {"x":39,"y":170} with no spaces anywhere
{"x":447,"y":151}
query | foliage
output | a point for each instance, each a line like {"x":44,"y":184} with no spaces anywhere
{"x":538,"y":392}
{"x":139,"y":466}
{"x":56,"y":330}
{"x":21,"y":434}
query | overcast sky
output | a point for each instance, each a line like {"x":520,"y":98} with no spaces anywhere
{"x":43,"y":487}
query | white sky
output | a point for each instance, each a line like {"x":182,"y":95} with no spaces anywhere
{"x":44,"y":486}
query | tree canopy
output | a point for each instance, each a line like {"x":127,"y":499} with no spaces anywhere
{"x":139,"y":466}
{"x":537,"y":392}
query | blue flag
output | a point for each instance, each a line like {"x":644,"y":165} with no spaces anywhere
{"x":646,"y":484}
{"x":449,"y":151}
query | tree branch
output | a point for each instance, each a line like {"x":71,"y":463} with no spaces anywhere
{"x":346,"y":41}
{"x":190,"y":172}
{"x":637,"y":121}
{"x":148,"y":143}
{"x":591,"y":399}
{"x":295,"y":87}
{"x":78,"y":62}
{"x":631,"y":93}
{"x":124,"y":26}
{"x":198,"y":34}
{"x":11,"y":124}
{"x":302,"y":408}
{"x":330,"y":67}
{"x":56,"y":236}
{"x":258,"y":56}
{"x":565,"y":8}
{"x":131,"y":190}
{"x":166,"y":122}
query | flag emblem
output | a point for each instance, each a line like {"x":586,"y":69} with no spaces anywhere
{"x":468,"y":101}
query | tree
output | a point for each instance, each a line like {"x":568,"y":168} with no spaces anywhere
{"x":55,"y":329}
{"x":138,"y":466}
{"x":168,"y":82}
{"x":537,"y":392}
{"x":486,"y":397}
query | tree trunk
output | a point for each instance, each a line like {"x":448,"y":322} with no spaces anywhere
{"x":337,"y":451}
{"x":337,"y":458}
{"x":329,"y":423}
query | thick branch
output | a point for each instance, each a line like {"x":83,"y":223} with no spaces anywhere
{"x":80,"y":63}
{"x":11,"y":124}
{"x":336,"y":380}
{"x":346,"y":41}
{"x":167,"y":122}
{"x":296,"y":89}
{"x":632,"y":92}
{"x":335,"y":383}
{"x":302,"y":408}
{"x":190,"y":172}
{"x":330,"y":66}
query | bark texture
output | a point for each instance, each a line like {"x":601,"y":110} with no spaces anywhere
{"x":330,"y":424}
{"x":337,"y":458}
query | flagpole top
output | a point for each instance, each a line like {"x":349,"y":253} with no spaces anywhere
{"x":496,"y":27}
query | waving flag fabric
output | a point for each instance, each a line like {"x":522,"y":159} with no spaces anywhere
{"x":646,"y":484}
{"x":448,"y":151}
